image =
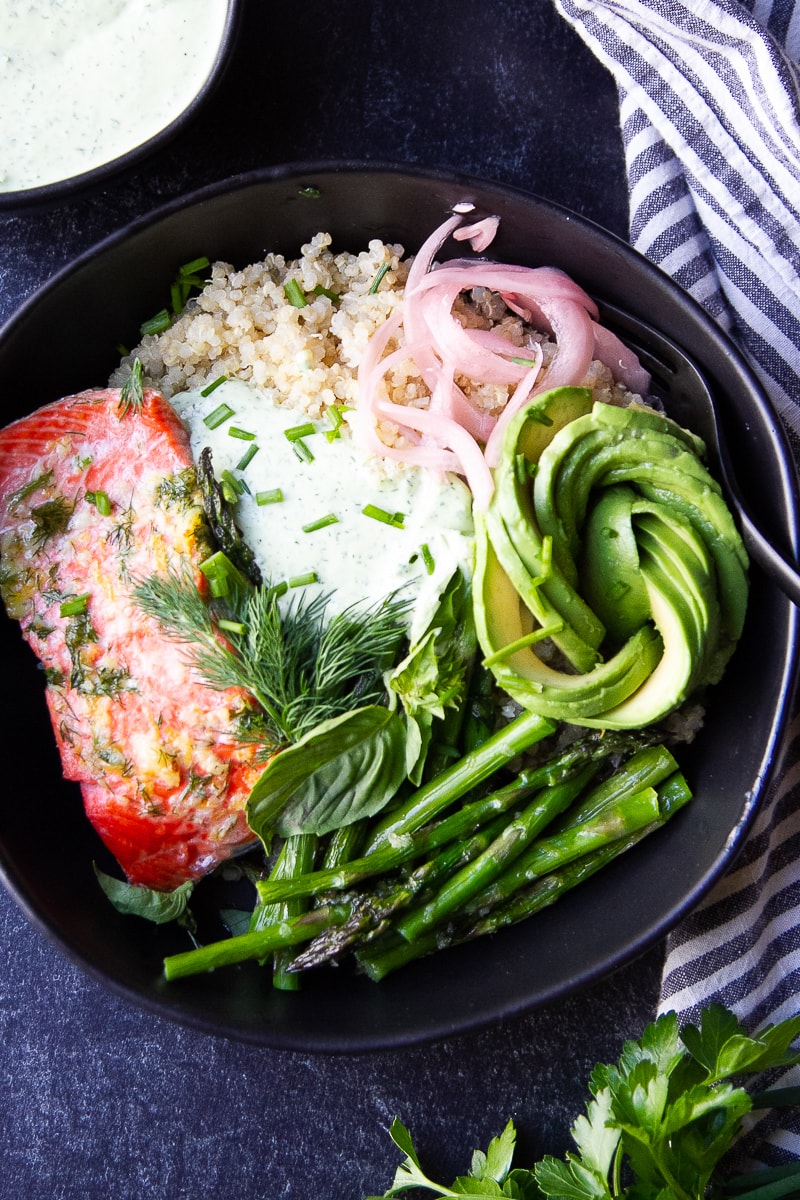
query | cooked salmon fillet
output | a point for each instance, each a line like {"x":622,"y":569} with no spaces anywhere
{"x":91,"y":500}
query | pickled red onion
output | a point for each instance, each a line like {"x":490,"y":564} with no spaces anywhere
{"x":447,"y":435}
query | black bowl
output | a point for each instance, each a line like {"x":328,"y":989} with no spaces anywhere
{"x":64,"y":190}
{"x":64,"y":338}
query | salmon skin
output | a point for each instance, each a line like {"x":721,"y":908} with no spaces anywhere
{"x":91,"y":499}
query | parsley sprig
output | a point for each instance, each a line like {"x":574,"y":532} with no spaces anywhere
{"x":657,"y":1127}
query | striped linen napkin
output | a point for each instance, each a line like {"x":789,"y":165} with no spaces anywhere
{"x":709,"y":96}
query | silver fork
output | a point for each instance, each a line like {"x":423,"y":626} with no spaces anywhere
{"x":687,"y":398}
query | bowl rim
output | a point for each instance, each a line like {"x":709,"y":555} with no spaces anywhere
{"x":61,"y":191}
{"x":169,"y":1005}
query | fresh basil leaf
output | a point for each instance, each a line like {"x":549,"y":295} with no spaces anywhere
{"x":346,"y":768}
{"x":133,"y":900}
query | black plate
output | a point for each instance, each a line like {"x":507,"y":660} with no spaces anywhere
{"x":64,"y":190}
{"x":64,"y":340}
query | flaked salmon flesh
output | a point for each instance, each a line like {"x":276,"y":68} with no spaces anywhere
{"x":90,"y":501}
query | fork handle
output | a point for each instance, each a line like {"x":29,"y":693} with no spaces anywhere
{"x":782,"y":572}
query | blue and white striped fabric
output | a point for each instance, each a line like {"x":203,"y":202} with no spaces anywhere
{"x":710,"y":114}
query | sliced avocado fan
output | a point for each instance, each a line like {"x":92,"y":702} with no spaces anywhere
{"x":611,"y":581}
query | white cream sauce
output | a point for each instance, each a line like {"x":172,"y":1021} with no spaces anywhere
{"x":358,"y":559}
{"x":85,"y":81}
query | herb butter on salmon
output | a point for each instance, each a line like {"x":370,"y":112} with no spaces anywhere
{"x":92,"y":499}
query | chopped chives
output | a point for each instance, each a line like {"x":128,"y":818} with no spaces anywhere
{"x":157,"y":324}
{"x":303,"y":580}
{"x":75,"y":605}
{"x":197,"y":264}
{"x":319,"y":290}
{"x":380,"y":514}
{"x":277,"y":589}
{"x":524,"y":362}
{"x":378,"y":280}
{"x":217,"y":571}
{"x":243,"y":487}
{"x":294,"y":293}
{"x":302,"y":451}
{"x":522,"y":643}
{"x":299,"y":431}
{"x":179,"y":294}
{"x":275,"y":496}
{"x":427,"y":558}
{"x":244,"y":435}
{"x":219,"y":416}
{"x":320,"y":523}
{"x":212,"y":387}
{"x":334,"y":415}
{"x":101,"y":502}
{"x":232,"y":487}
{"x":247,"y":457}
{"x":232,"y":626}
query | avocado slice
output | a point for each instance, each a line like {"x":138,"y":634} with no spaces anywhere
{"x":611,"y":579}
{"x":502,"y":622}
{"x":513,"y":529}
{"x":606,"y":538}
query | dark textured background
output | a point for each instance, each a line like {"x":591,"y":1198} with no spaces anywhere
{"x":100,"y":1099}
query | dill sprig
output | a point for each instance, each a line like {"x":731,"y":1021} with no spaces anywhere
{"x":131,"y":397}
{"x":300,"y":667}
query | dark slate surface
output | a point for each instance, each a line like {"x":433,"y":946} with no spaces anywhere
{"x":97,"y":1098}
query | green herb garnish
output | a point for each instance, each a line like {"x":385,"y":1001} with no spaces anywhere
{"x":321,"y":290}
{"x":657,"y":1127}
{"x":294,"y":294}
{"x":101,"y":502}
{"x":320,"y":523}
{"x":27,"y":489}
{"x":157,"y":323}
{"x":300,"y":668}
{"x":379,"y":278}
{"x":380,"y":514}
{"x":131,"y":396}
{"x":299,"y":431}
{"x":75,"y":605}
{"x":221,"y":413}
{"x":49,"y":519}
{"x":274,"y":496}
{"x":247,"y":458}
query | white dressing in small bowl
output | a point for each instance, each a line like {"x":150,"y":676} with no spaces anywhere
{"x":85,"y":82}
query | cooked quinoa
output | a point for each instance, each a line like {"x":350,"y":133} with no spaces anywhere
{"x":242,"y":325}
